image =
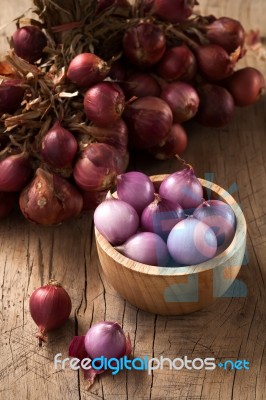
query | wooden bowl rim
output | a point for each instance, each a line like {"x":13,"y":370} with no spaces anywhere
{"x":221,"y":259}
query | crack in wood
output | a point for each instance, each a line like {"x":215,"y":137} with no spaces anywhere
{"x":3,"y":286}
{"x":123,"y":315}
{"x":135,"y":333}
{"x":51,"y":257}
{"x":104,"y":293}
{"x":102,"y":390}
{"x":252,"y":319}
{"x":85,"y":285}
{"x":40,"y":262}
{"x":235,"y":372}
{"x":153,"y":353}
{"x":29,"y":266}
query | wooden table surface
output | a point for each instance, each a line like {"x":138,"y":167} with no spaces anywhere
{"x":230,"y":328}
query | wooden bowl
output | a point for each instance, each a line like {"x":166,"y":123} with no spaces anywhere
{"x":179,"y":290}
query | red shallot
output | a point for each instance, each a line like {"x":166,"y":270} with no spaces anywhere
{"x":50,"y":307}
{"x":87,"y":69}
{"x":184,"y":188}
{"x":116,"y":220}
{"x":149,"y":121}
{"x":104,"y":103}
{"x":136,"y":189}
{"x":221,"y":218}
{"x":59,"y":146}
{"x":29,"y":42}
{"x":15,"y":172}
{"x":191,"y":242}
{"x":146,"y":248}
{"x":50,"y":199}
{"x":183,"y":100}
{"x":161,"y":216}
{"x":96,"y":167}
{"x":175,"y":144}
{"x":144,"y":44}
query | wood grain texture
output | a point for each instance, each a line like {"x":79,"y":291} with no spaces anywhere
{"x":230,"y":328}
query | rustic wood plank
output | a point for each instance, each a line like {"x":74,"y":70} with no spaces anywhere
{"x":230,"y":328}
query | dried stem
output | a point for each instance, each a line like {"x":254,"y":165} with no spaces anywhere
{"x":72,"y":27}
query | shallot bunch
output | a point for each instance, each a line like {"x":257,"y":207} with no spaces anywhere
{"x":71,"y":113}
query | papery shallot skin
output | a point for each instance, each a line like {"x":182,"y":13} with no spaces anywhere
{"x":246,"y":86}
{"x":87,"y":69}
{"x":141,"y":85}
{"x":178,"y":63}
{"x":50,"y":199}
{"x":146,"y":248}
{"x":149,"y":120}
{"x":136,"y":189}
{"x":106,"y":339}
{"x":59,"y":146}
{"x":184,"y":188}
{"x":227,"y":33}
{"x":104,"y":103}
{"x":97,"y":167}
{"x":183,"y":100}
{"x":216,"y":107}
{"x":214,"y":62}
{"x":15,"y":172}
{"x":191,"y":242}
{"x":116,"y":220}
{"x":175,"y":144}
{"x":161,"y":216}
{"x":11,"y":95}
{"x":115,"y":135}
{"x":221,"y":218}
{"x":144,"y":44}
{"x":50,"y":307}
{"x":29,"y":42}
